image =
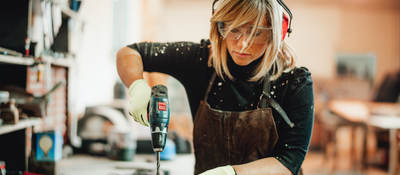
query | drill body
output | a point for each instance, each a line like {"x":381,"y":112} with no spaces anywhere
{"x":159,"y":113}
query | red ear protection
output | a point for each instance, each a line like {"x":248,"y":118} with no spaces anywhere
{"x":285,"y":26}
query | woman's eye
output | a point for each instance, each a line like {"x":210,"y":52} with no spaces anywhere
{"x":235,"y":31}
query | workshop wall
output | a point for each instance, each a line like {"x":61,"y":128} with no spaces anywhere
{"x":323,"y":29}
{"x":105,"y":23}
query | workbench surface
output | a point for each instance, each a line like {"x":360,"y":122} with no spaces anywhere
{"x":85,"y":164}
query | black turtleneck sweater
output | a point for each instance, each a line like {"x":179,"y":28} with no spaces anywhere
{"x":187,"y":62}
{"x":238,"y":94}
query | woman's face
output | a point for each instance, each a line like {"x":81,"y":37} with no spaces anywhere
{"x":236,"y":40}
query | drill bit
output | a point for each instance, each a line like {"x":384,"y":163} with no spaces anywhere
{"x":158,"y":163}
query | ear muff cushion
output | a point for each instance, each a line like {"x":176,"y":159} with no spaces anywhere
{"x":285,"y":26}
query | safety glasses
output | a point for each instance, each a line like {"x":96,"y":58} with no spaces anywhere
{"x":261,"y":34}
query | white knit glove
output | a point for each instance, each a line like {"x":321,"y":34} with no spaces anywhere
{"x":139,"y":97}
{"x":225,"y":170}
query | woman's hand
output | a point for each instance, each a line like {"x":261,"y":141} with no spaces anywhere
{"x":225,"y":170}
{"x":139,"y":97}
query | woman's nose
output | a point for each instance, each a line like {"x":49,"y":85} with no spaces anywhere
{"x":241,"y":43}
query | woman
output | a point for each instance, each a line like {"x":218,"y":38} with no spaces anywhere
{"x":252,"y":108}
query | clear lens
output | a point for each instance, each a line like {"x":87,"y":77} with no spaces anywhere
{"x":261,"y":34}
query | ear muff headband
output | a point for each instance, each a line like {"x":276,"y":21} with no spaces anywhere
{"x":286,"y":24}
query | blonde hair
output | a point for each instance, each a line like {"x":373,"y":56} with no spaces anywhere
{"x":278,"y":56}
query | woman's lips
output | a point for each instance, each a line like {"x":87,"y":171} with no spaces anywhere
{"x":241,"y":54}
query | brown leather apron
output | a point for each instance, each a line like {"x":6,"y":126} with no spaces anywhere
{"x":231,"y":138}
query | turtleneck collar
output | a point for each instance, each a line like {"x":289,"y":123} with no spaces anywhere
{"x":242,"y":72}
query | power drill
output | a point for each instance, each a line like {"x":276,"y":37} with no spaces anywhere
{"x":159,"y":119}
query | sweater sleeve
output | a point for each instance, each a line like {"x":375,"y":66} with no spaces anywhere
{"x":185,"y":61}
{"x":294,"y":142}
{"x":178,"y":59}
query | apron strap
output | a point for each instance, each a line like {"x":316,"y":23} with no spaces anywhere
{"x":266,"y":99}
{"x":266,"y":88}
{"x":209,"y":86}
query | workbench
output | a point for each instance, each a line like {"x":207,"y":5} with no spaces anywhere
{"x":380,"y":115}
{"x":182,"y":164}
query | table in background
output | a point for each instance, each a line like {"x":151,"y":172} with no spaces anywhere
{"x":376,"y":114}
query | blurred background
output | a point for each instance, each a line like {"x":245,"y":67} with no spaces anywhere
{"x":63,"y":107}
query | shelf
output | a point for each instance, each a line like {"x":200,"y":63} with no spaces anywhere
{"x":25,"y":123}
{"x":63,"y":62}
{"x":16,"y":60}
{"x":27,"y":61}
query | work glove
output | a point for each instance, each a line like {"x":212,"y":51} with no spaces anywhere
{"x":224,"y":170}
{"x":139,"y":97}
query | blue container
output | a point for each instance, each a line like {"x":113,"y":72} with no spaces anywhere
{"x":49,"y":146}
{"x":169,"y":151}
{"x":75,"y":5}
